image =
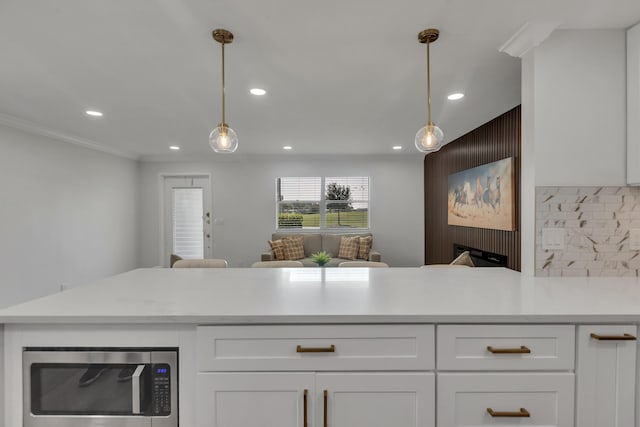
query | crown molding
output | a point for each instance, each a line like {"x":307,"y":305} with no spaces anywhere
{"x":529,"y":36}
{"x":34,"y":128}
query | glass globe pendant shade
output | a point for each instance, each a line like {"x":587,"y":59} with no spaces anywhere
{"x":223,"y":139}
{"x":429,"y":138}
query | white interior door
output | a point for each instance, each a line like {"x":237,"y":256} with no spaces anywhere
{"x":187,"y":218}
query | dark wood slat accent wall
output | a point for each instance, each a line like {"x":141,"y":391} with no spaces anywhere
{"x":495,"y":140}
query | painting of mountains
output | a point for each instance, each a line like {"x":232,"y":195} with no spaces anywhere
{"x":483,"y":196}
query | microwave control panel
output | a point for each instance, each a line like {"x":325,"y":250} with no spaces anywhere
{"x":161,"y":394}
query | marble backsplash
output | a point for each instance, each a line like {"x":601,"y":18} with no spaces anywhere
{"x":597,"y":223}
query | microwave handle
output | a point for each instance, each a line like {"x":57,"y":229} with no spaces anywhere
{"x":135,"y":389}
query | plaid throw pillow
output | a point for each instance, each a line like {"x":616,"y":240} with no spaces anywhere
{"x":364,"y":247}
{"x":293,"y":248}
{"x":278,"y":249}
{"x":349,"y":247}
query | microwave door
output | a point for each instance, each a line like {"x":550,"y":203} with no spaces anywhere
{"x":86,"y":389}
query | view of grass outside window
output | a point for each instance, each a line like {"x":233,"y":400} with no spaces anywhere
{"x":323,"y":202}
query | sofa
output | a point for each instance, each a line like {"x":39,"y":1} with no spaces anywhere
{"x":316,"y":242}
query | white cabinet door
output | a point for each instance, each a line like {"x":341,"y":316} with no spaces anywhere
{"x":633,"y":105}
{"x":375,"y":399}
{"x":254,"y":399}
{"x":605,"y":376}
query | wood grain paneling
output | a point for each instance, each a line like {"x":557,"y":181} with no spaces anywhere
{"x":495,"y":140}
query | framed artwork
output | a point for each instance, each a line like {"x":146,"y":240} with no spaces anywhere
{"x":483,"y":197}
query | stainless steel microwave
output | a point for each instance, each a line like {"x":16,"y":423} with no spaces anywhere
{"x":110,"y":387}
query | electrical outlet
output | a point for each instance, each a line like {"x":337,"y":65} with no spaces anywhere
{"x":553,"y":239}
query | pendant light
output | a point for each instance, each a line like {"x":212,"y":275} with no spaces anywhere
{"x":429,"y":138}
{"x":223,"y":139}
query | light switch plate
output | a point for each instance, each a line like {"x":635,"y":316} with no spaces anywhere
{"x":634,"y":239}
{"x":553,"y":239}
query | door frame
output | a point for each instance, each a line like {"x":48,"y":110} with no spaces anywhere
{"x":161,"y":207}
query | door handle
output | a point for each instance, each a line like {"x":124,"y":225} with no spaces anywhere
{"x":522,"y":413}
{"x":135,"y":389}
{"x":304,"y":421}
{"x":623,"y":337}
{"x":325,"y":407}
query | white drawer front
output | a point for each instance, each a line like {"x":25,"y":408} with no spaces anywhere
{"x":506,"y":348}
{"x":355,"y":347}
{"x":464,"y":399}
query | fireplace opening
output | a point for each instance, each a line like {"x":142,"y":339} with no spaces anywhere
{"x":481,"y":258}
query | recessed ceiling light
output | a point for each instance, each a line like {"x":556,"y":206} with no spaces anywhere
{"x":174,"y":147}
{"x":397,"y":147}
{"x":93,"y":113}
{"x":456,"y":96}
{"x":287,"y":147}
{"x":258,"y":91}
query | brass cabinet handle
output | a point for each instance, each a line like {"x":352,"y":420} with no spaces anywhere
{"x":304,"y":421}
{"x":330,"y":349}
{"x":522,"y":413}
{"x":623,"y":337}
{"x":522,"y":350}
{"x":325,"y":408}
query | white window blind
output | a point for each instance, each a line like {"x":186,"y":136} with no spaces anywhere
{"x":322,"y":202}
{"x":188,"y":231}
{"x":299,"y":202}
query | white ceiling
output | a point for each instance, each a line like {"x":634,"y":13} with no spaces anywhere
{"x":342,"y":76}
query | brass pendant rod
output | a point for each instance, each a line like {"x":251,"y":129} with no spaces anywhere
{"x":223,"y":82}
{"x":428,"y":86}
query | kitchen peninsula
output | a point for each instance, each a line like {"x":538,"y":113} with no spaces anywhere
{"x":361,"y":346}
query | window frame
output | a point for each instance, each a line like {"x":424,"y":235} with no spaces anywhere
{"x":322,"y":206}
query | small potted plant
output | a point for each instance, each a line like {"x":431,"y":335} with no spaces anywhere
{"x":321,"y":258}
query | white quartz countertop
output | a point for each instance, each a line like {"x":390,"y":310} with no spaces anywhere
{"x":335,"y":295}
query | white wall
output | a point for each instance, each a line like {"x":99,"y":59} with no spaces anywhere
{"x":67,"y":215}
{"x":573,"y":118}
{"x":243,"y":194}
{"x":580,"y":109}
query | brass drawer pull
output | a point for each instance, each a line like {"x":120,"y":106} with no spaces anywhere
{"x":523,"y":413}
{"x":306,"y":392}
{"x":330,"y":349}
{"x":522,"y":350}
{"x":623,"y":337}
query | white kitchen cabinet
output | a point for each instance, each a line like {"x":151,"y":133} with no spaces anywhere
{"x":605,"y":375}
{"x":354,"y":375}
{"x":287,"y":399}
{"x":375,"y":399}
{"x":506,"y":347}
{"x":505,"y":399}
{"x":633,"y":105}
{"x":316,"y":348}
{"x":247,"y":399}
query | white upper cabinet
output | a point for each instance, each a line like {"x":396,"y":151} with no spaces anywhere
{"x":633,"y":105}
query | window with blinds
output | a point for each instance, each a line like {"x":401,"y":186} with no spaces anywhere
{"x":322,"y":202}
{"x":347,"y":201}
{"x":188,"y":225}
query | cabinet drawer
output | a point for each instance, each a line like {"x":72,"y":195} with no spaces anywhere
{"x":466,"y":399}
{"x":315,"y":348}
{"x":505,"y":347}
